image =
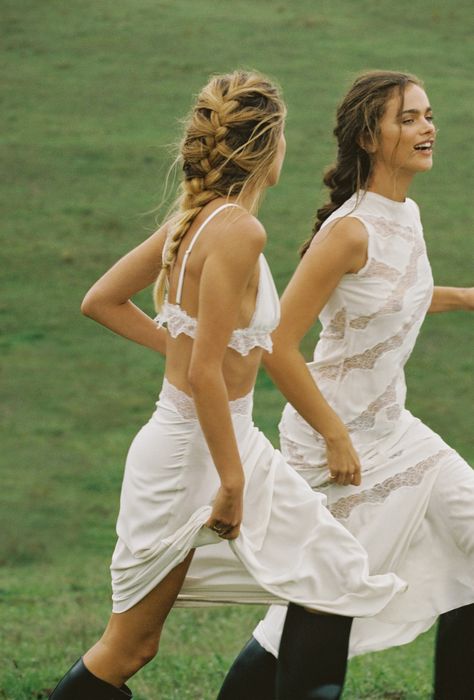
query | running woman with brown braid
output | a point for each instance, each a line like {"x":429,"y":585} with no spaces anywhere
{"x":199,"y":476}
{"x":389,"y":479}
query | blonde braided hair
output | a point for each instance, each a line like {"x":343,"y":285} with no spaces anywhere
{"x":230,"y":141}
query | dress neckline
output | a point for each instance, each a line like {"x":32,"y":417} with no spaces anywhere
{"x":391,"y":204}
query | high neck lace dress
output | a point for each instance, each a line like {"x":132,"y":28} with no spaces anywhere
{"x":414,"y":511}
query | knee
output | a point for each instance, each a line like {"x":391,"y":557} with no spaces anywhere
{"x":148,"y":650}
{"x":144,"y":652}
{"x":135,"y":653}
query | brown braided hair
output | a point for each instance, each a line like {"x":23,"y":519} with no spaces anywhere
{"x":357,"y":125}
{"x":230,"y":141}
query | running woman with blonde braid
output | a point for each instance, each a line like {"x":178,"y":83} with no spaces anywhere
{"x":388,"y":478}
{"x":199,"y":476}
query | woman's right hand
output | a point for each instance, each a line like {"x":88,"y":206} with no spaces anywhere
{"x":343,"y":461}
{"x":227,"y":512}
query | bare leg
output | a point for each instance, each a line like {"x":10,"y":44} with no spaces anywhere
{"x":130,"y":640}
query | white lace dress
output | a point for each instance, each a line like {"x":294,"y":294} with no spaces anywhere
{"x":169,"y":485}
{"x":414,"y":511}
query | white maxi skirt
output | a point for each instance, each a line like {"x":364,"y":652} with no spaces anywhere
{"x":290,"y":548}
{"x":413,"y":514}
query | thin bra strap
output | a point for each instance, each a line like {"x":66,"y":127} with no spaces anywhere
{"x":179,"y":290}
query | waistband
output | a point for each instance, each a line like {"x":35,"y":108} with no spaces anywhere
{"x":184,"y":404}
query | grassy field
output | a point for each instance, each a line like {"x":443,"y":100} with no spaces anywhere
{"x":92,"y":96}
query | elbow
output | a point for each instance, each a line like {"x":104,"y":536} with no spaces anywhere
{"x":200,"y":375}
{"x":278,"y":356}
{"x":87,"y":305}
{"x":281,"y":360}
{"x":90,"y":304}
{"x":269,"y":357}
{"x":194,"y":378}
{"x":272,"y":365}
{"x":267,"y":360}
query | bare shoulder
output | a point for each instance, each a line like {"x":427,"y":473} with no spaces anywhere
{"x":239,"y":232}
{"x":348,"y":231}
{"x":345,"y":239}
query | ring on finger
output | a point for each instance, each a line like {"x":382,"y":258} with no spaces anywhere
{"x":219,"y":529}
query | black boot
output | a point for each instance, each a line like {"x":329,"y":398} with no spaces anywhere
{"x":454,"y":658}
{"x":312,"y":659}
{"x":252,"y":675}
{"x":80,"y":684}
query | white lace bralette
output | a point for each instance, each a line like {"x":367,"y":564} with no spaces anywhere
{"x":242,"y":340}
{"x":264,"y":320}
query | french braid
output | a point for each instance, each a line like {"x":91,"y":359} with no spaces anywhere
{"x":357,"y":126}
{"x":230,"y":140}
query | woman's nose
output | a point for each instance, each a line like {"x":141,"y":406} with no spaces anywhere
{"x":429,"y":126}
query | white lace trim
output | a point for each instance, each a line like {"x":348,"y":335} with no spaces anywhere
{"x":242,"y":340}
{"x":184,"y":403}
{"x":413,"y":476}
{"x":365,"y":421}
{"x":336,"y":327}
{"x":395,"y":300}
{"x":388,"y":228}
{"x":387,"y":399}
{"x":380,"y":269}
{"x":366,"y":360}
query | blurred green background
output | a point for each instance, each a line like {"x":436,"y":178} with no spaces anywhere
{"x":92,"y":96}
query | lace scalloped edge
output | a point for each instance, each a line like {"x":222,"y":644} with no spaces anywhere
{"x":184,"y":404}
{"x":242,"y":340}
{"x":412,"y":476}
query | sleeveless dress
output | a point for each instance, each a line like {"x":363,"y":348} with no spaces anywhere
{"x":414,"y":510}
{"x":169,"y":485}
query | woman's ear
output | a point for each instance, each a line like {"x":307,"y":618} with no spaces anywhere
{"x":367,"y":143}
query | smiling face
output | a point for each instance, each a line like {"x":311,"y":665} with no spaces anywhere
{"x":406,"y":135}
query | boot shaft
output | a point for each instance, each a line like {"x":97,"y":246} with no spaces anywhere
{"x":80,"y":684}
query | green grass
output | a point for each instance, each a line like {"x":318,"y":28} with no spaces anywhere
{"x":93,"y":92}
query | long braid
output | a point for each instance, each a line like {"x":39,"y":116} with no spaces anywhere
{"x":357,"y":127}
{"x":191,"y":203}
{"x":230,"y":140}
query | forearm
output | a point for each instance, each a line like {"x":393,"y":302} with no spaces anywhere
{"x":130,"y":322}
{"x":212,"y":407}
{"x":288,"y":369}
{"x":451,"y":299}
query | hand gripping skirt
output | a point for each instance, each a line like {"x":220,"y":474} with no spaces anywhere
{"x":290,"y":548}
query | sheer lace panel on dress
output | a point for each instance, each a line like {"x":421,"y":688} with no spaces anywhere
{"x":412,"y":476}
{"x":396,"y":298}
{"x":184,"y":403}
{"x":368,"y":358}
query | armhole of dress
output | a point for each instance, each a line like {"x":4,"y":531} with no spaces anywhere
{"x":367,"y":227}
